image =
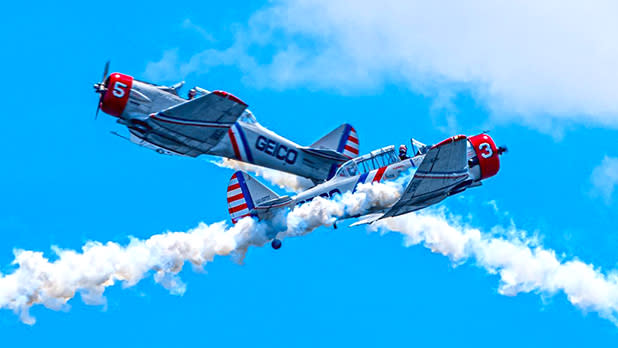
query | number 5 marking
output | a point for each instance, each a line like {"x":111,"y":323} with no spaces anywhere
{"x":486,"y":150}
{"x":118,"y":91}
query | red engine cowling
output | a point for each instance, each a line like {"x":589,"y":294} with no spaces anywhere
{"x":487,"y":154}
{"x":117,"y":94}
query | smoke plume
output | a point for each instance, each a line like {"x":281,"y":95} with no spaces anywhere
{"x":522,"y":264}
{"x":283,"y":180}
{"x":37,"y":280}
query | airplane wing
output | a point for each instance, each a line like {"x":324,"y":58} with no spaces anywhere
{"x":199,"y":123}
{"x":444,"y":167}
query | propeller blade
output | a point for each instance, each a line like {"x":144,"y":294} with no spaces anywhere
{"x":100,"y":88}
{"x":105,"y":71}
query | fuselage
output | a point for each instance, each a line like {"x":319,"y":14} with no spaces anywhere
{"x":250,"y":142}
{"x":383,"y":165}
{"x":343,"y":183}
{"x":134,"y":102}
{"x":380,"y":166}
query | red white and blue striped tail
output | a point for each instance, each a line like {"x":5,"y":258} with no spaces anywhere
{"x":239,"y":202}
{"x":245,"y":194}
{"x":343,"y":139}
{"x":349,"y":142}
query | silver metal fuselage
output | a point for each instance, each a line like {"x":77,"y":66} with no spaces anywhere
{"x":245,"y":141}
{"x":341,"y":184}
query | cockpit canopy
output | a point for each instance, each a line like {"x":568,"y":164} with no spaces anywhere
{"x":371,"y":161}
{"x":418,"y":148}
{"x":247,"y":117}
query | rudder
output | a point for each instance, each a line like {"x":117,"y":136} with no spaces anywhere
{"x":342,"y":139}
{"x":244,"y":193}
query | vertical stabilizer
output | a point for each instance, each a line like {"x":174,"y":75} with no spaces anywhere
{"x":244,"y":193}
{"x":343,"y":140}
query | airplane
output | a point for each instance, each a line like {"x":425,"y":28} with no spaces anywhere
{"x":215,"y":123}
{"x":442,"y":170}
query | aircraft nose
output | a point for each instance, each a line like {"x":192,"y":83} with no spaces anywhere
{"x":115,"y":93}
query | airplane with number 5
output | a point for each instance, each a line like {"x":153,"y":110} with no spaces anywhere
{"x":215,"y":123}
{"x":440,"y":171}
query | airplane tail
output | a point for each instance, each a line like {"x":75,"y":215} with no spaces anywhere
{"x":246,"y":197}
{"x":338,"y":146}
{"x":343,"y":139}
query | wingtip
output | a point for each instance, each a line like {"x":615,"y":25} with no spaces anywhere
{"x":230,"y":96}
{"x":450,"y":140}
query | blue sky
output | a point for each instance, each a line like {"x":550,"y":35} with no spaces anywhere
{"x":304,"y":70}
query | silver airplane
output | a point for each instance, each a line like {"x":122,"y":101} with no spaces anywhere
{"x":441,"y":170}
{"x":215,"y":123}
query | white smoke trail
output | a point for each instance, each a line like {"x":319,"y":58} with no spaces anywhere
{"x":521,"y":262}
{"x":37,"y":280}
{"x":523,"y":265}
{"x":324,"y":212}
{"x":283,"y":180}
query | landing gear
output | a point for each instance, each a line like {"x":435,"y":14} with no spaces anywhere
{"x":335,"y":224}
{"x":276,"y":244}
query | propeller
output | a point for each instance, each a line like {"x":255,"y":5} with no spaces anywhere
{"x":101,"y":89}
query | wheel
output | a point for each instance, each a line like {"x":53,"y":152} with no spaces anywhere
{"x":276,"y":244}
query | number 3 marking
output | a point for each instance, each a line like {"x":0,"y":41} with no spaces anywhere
{"x":119,"y":89}
{"x":486,"y":150}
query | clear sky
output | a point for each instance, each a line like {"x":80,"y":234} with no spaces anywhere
{"x":545,"y":89}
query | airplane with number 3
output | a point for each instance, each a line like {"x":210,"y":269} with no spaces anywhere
{"x":440,"y":171}
{"x":215,"y":123}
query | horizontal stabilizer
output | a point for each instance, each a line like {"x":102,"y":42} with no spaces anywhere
{"x":277,"y":202}
{"x":325,"y":154}
{"x":368,"y":219}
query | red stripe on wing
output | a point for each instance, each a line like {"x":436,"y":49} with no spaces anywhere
{"x":229,"y":96}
